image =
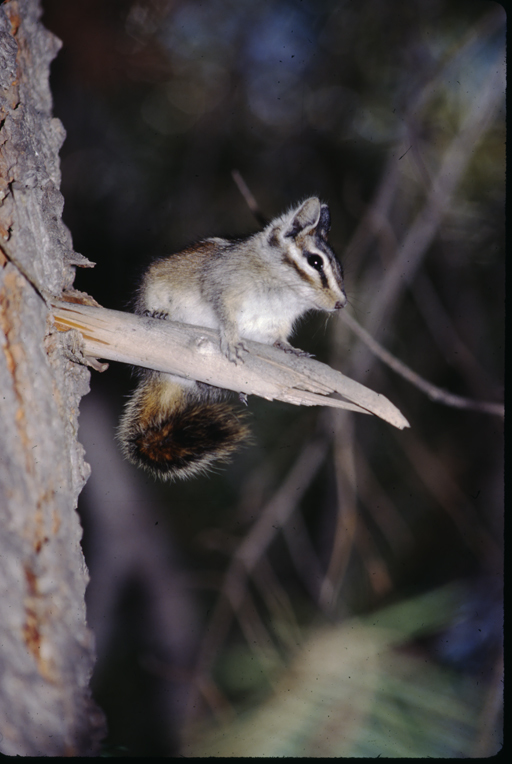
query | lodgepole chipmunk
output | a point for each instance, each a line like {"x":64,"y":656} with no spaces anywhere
{"x":253,"y":288}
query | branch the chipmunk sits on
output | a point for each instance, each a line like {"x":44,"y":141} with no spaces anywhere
{"x":250,"y":291}
{"x":193,"y":352}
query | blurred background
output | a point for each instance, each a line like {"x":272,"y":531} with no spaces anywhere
{"x":336,"y":590}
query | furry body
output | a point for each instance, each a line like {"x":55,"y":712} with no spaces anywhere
{"x":253,"y":288}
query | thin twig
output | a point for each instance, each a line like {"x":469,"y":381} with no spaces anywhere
{"x":249,"y":198}
{"x":221,"y":708}
{"x":436,"y":394}
{"x":423,"y":229}
{"x":443,"y":332}
{"x":278,"y":602}
{"x":303,"y":555}
{"x":258,"y":637}
{"x":433,"y":471}
{"x":274,"y":516}
{"x":381,"y":508}
{"x":377,"y":570}
{"x":347,"y":517}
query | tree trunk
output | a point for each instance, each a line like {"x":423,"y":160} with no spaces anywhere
{"x":47,"y":650}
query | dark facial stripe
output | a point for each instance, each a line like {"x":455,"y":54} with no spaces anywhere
{"x":323,"y":278}
{"x":303,"y":275}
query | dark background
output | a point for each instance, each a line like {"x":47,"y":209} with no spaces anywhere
{"x":359,"y":103}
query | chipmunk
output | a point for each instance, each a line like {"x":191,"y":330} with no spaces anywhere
{"x":253,"y":288}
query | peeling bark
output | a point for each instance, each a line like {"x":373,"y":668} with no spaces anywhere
{"x":46,"y":649}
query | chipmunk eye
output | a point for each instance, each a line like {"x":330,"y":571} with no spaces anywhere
{"x":315,"y":261}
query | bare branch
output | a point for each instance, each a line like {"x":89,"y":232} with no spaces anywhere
{"x":347,"y":517}
{"x":423,"y":230}
{"x":249,"y":198}
{"x":435,"y":393}
{"x":194,"y":353}
{"x":273,"y":518}
{"x":432,"y":470}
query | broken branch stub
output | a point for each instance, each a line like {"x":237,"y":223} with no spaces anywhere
{"x":194,"y":352}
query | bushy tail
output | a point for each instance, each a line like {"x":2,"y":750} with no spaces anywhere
{"x":177,"y":431}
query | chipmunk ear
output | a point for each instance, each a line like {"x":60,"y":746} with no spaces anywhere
{"x":304,"y":218}
{"x":324,"y":224}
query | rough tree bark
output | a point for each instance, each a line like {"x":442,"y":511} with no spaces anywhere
{"x":46,"y":649}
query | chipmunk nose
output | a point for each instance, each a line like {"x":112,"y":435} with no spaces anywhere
{"x":341,"y":303}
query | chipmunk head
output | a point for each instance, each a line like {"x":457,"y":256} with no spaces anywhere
{"x":301,"y":236}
